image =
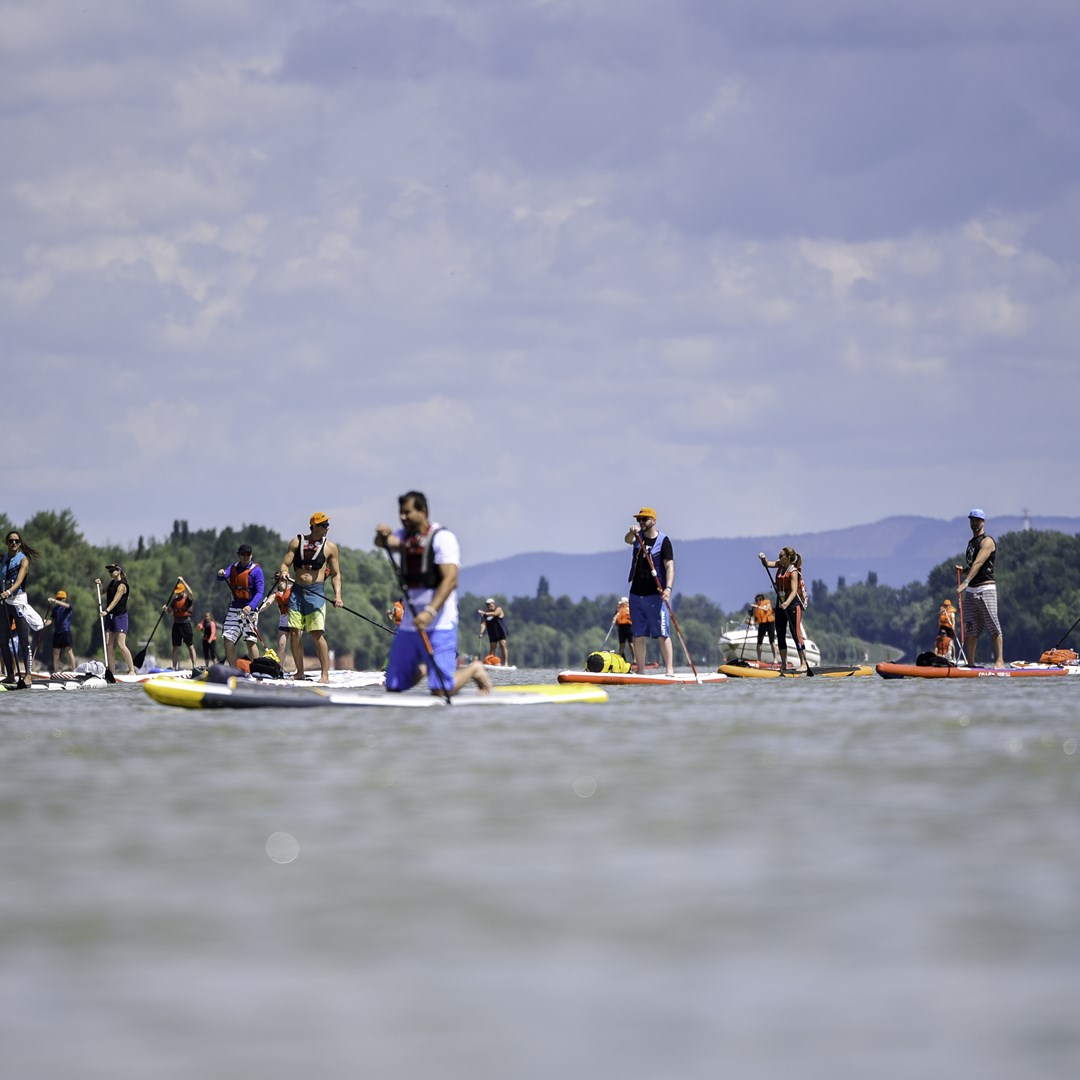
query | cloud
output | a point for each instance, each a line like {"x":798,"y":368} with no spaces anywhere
{"x":769,"y":264}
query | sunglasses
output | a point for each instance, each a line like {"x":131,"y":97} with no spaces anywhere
{"x":14,"y":540}
{"x":641,"y":519}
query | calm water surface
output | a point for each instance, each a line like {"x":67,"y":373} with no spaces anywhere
{"x":824,"y":878}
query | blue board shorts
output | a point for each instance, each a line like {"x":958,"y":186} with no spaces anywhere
{"x":307,"y":607}
{"x":116,"y":624}
{"x":649,"y":616}
{"x":407,"y":653}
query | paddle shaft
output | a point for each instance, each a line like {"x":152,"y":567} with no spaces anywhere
{"x":960,"y":609}
{"x":423,"y":633}
{"x":109,"y":676}
{"x":310,"y":588}
{"x":960,"y":605}
{"x":12,"y":644}
{"x":1067,"y":633}
{"x":667,"y":604}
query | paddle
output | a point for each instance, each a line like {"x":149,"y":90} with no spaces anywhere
{"x":810,"y":673}
{"x":667,"y":604}
{"x":358,"y":614}
{"x":746,"y":638}
{"x":1067,"y":633}
{"x":13,"y":643}
{"x":960,"y":607}
{"x":109,"y":676}
{"x":140,"y":657}
{"x":423,"y":633}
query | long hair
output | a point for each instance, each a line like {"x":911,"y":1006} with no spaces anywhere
{"x":24,"y":547}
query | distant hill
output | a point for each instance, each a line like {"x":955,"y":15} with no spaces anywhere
{"x":898,"y":549}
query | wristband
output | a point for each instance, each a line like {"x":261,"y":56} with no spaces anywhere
{"x":431,"y":610}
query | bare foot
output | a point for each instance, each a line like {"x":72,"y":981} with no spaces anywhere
{"x":482,"y":680}
{"x":473,"y":672}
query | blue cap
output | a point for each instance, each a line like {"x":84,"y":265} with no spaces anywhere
{"x":977,"y":513}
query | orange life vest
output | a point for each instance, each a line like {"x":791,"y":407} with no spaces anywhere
{"x":283,"y":600}
{"x":946,"y":618}
{"x":181,"y":607}
{"x":763,"y":612}
{"x":240,"y":582}
{"x":622,"y":616}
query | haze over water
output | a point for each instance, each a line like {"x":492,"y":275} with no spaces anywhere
{"x":815,"y":878}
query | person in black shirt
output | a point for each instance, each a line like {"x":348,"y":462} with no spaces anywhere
{"x":649,"y":594}
{"x":980,"y":613}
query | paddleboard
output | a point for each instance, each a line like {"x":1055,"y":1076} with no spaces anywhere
{"x":1017,"y":670}
{"x":632,"y":678}
{"x":238,"y":694}
{"x":740,"y":671}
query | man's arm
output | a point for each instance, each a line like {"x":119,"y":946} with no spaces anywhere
{"x":333,"y":565}
{"x":288,"y":557}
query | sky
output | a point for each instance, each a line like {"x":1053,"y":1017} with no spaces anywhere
{"x":768,"y":266}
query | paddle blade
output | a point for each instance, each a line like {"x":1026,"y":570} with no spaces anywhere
{"x":139,"y":659}
{"x":109,"y":676}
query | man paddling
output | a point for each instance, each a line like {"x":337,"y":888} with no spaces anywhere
{"x":430,"y":557}
{"x":980,"y":613}
{"x":245,"y":580}
{"x":652,"y":579}
{"x":312,"y":559}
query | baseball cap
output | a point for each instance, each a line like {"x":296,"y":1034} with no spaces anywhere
{"x":490,"y":601}
{"x":624,"y":600}
{"x":179,"y":587}
{"x":646,"y":511}
{"x":976,"y":513}
{"x":318,"y":518}
{"x":60,"y":594}
{"x":244,"y":549}
{"x":947,"y":603}
{"x":114,"y":566}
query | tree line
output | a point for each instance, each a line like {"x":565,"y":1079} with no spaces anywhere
{"x":1039,"y":599}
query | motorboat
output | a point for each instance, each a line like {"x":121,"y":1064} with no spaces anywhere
{"x":740,"y":642}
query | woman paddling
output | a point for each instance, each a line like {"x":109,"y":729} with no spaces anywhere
{"x":789,"y":602}
{"x":20,"y":619}
{"x":115,"y":614}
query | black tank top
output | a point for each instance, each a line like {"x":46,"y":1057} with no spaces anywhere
{"x":986,"y":571}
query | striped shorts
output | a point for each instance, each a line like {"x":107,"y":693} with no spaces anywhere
{"x":980,"y":610}
{"x":238,"y":625}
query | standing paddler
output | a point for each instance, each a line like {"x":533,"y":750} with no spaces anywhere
{"x":311,"y":558}
{"x":981,"y":612}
